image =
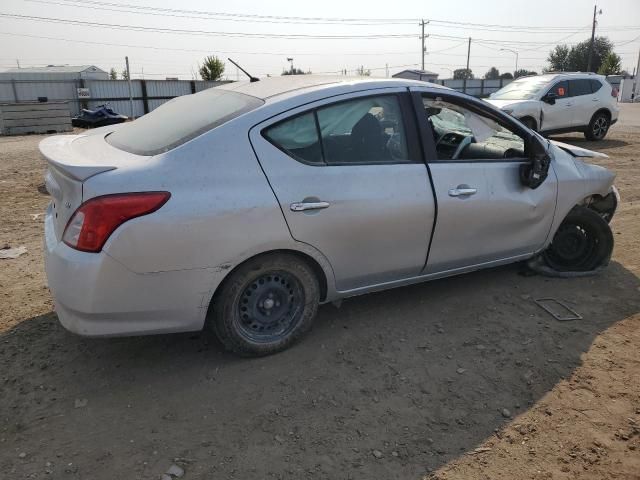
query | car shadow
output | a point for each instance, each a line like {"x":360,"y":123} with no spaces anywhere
{"x":390,"y":385}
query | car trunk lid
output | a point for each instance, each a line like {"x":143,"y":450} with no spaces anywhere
{"x":72,"y":160}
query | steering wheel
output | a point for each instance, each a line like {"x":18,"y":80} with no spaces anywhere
{"x":466,"y":141}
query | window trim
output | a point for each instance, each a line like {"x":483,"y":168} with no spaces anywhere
{"x":412,"y":135}
{"x":474,"y":106}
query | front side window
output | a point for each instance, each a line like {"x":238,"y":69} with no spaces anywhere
{"x":462,"y":134}
{"x":366,"y":130}
{"x":561,"y":89}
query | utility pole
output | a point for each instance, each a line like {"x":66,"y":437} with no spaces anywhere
{"x":18,"y":63}
{"x":126,"y":60}
{"x":466,"y":74}
{"x":423,"y":48}
{"x":593,"y":36}
{"x":636,"y":82}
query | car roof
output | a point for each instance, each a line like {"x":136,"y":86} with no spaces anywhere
{"x":271,"y":87}
{"x":558,"y":75}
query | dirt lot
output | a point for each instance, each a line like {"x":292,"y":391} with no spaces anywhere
{"x":463,"y":378}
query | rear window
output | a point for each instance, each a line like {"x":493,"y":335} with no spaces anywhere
{"x":580,"y":87}
{"x":181,"y":119}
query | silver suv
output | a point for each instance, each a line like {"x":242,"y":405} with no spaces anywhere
{"x":561,"y":103}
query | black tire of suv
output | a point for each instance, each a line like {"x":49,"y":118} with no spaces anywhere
{"x":598,"y":127}
{"x":233,"y":306}
{"x":582,"y":243}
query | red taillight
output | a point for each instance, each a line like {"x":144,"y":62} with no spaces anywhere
{"x":614,"y":92}
{"x":96,"y":219}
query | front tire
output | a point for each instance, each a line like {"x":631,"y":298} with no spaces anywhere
{"x":265,"y":305}
{"x":583,"y":242}
{"x":598,"y":127}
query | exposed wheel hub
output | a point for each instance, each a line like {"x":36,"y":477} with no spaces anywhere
{"x":270,"y":306}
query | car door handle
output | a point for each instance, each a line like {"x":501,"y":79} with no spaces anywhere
{"x":302,"y":206}
{"x":462,"y":192}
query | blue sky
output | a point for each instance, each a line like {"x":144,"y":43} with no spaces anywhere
{"x":531,"y":28}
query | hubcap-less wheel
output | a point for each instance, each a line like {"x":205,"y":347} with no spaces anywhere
{"x":270,"y":307}
{"x":582,"y":243}
{"x":600,"y":127}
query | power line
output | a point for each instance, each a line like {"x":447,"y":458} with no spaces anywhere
{"x":319,"y":20}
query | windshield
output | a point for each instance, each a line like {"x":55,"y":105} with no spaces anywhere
{"x":521,"y":89}
{"x":180,"y":120}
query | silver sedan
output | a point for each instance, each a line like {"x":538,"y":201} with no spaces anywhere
{"x":243,"y":207}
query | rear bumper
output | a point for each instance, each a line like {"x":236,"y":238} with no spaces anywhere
{"x":95,"y":295}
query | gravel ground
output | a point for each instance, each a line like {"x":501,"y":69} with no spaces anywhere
{"x":462,"y":378}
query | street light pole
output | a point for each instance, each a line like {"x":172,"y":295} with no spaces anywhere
{"x":512,"y":51}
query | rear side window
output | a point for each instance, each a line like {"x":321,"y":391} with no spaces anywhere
{"x":181,"y":119}
{"x":297,"y":137}
{"x":561,"y":89}
{"x":595,"y":85}
{"x":579,"y":87}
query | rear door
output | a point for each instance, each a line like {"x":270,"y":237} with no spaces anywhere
{"x":485,"y":214}
{"x":561,"y":113}
{"x":351,"y":181}
{"x":585,"y":102}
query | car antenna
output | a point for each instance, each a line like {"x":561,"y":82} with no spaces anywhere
{"x":251,"y":78}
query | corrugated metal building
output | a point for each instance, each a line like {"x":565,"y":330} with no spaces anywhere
{"x":55,"y":72}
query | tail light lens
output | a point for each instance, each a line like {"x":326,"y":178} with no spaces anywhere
{"x":614,"y":92}
{"x":96,"y":219}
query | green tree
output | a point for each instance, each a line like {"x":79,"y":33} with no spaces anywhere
{"x":212,"y":68}
{"x":113,"y":75}
{"x":462,"y":73}
{"x":576,"y":58}
{"x":610,"y":65}
{"x":523,"y":72}
{"x":295,"y":71}
{"x":559,"y":59}
{"x":492,"y":74}
{"x":124,"y":74}
{"x":507,"y":76}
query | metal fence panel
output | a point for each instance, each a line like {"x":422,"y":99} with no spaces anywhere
{"x":155,"y":103}
{"x":6,"y":92}
{"x":203,"y":85}
{"x":113,"y":88}
{"x":168,"y":88}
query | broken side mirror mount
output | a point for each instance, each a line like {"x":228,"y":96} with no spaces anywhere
{"x":535,"y":172}
{"x":550,"y":98}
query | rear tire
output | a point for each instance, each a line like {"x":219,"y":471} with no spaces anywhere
{"x":583,"y":243}
{"x":598,"y":127}
{"x":265,"y":305}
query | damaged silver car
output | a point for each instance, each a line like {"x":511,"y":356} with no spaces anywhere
{"x":243,"y":207}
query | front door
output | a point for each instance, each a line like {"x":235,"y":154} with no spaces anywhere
{"x":485,"y":214}
{"x":351,"y":181}
{"x":561,"y":114}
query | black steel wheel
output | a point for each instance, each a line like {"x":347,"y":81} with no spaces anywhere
{"x":582,"y":243}
{"x":598,"y":127}
{"x":265,"y":305}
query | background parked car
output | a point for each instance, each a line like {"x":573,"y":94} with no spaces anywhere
{"x":560,"y":103}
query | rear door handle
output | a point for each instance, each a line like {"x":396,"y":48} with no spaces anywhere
{"x":302,"y":206}
{"x":462,"y":192}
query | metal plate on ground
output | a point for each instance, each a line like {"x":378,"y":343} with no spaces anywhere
{"x":558,"y":309}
